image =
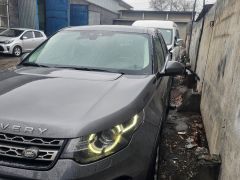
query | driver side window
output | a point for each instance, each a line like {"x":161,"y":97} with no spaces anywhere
{"x":28,"y":35}
{"x":159,"y":53}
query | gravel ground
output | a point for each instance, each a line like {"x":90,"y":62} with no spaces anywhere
{"x":8,"y":62}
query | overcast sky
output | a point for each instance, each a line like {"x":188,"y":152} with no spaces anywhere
{"x":144,"y":4}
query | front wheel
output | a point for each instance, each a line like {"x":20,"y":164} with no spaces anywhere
{"x":17,"y":51}
{"x":154,"y":168}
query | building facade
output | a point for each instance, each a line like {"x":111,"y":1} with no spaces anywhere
{"x":52,"y":15}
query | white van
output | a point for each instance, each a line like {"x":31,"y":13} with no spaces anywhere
{"x":169,"y":32}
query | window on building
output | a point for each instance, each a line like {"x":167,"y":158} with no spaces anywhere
{"x":38,"y":34}
{"x":3,"y":13}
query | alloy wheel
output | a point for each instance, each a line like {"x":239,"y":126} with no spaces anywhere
{"x":17,"y":51}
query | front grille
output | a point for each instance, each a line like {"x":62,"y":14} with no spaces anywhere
{"x":1,"y":49}
{"x":12,"y":148}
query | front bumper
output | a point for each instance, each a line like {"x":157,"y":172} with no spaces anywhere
{"x":131,"y":163}
{"x":5,"y":49}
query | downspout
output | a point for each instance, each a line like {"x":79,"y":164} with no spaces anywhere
{"x":193,"y":12}
{"x":200,"y":38}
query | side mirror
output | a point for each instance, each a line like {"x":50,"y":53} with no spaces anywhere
{"x":179,"y":42}
{"x":173,"y":68}
{"x":24,"y":37}
{"x":22,"y":58}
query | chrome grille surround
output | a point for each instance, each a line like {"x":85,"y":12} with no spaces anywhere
{"x":13,"y":146}
{"x":30,"y":140}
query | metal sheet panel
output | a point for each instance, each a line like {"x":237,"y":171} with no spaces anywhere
{"x":78,"y":15}
{"x":28,"y":14}
{"x":56,"y":15}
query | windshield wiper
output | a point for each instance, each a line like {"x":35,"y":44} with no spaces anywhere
{"x":33,"y":64}
{"x":89,"y":69}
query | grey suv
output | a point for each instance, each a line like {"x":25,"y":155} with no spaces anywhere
{"x":87,"y":104}
{"x":18,"y":40}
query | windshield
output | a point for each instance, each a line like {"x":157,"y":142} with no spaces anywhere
{"x":167,"y":35}
{"x":11,"y":33}
{"x":115,"y":51}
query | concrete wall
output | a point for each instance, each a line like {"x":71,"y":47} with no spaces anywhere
{"x":218,"y":65}
{"x":106,"y":17}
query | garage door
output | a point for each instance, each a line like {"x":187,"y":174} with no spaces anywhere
{"x":56,"y":15}
{"x":78,"y":15}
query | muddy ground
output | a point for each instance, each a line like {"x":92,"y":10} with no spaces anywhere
{"x":7,"y":61}
{"x":184,"y":152}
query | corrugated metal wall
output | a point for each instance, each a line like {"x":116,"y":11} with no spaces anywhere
{"x":28,"y":14}
{"x":3,"y":13}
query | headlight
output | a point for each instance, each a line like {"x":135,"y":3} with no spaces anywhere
{"x":102,"y":144}
{"x":8,"y":41}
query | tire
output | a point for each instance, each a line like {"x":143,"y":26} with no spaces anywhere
{"x":153,"y":170}
{"x":156,"y":164}
{"x":17,"y":51}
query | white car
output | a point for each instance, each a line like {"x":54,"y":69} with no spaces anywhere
{"x":18,"y":40}
{"x":170,"y":33}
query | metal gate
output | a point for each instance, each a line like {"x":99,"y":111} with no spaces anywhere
{"x":78,"y":15}
{"x":56,"y":15}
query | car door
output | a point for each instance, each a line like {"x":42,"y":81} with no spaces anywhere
{"x":27,"y":41}
{"x":38,"y":38}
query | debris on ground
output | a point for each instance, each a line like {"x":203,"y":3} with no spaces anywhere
{"x":8,"y":62}
{"x":4,"y":65}
{"x":191,"y":102}
{"x":184,"y":153}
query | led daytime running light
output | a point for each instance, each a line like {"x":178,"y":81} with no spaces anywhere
{"x":120,"y":131}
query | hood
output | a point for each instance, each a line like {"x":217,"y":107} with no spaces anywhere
{"x":4,"y":38}
{"x":68,"y":103}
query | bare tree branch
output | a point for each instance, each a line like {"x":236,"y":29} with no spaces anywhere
{"x":172,"y":5}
